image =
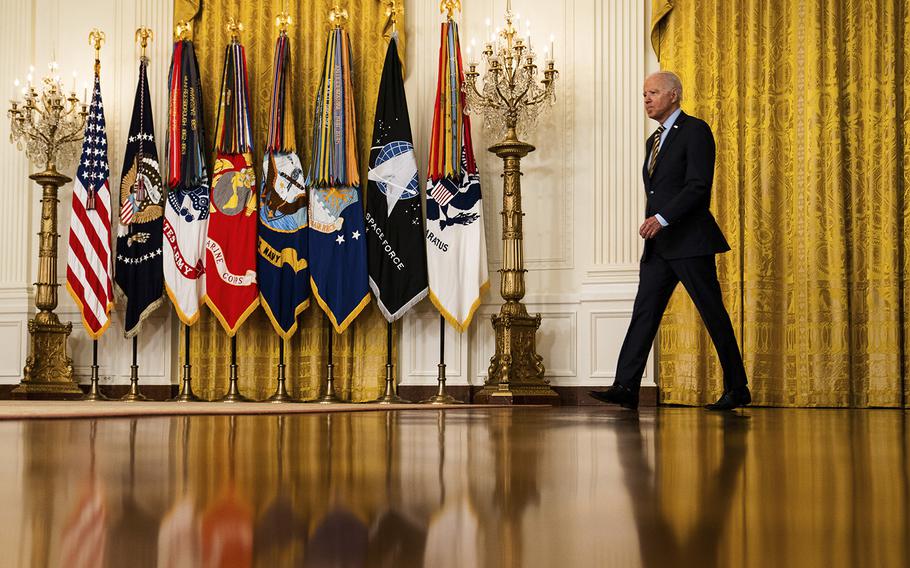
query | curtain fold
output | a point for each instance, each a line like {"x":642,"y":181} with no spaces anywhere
{"x":360,"y":353}
{"x":807,"y":101}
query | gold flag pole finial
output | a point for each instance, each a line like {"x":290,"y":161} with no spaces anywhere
{"x":143,"y":36}
{"x":392,"y":12}
{"x":182,"y":30}
{"x":283,"y":21}
{"x":96,"y":39}
{"x":338,"y":17}
{"x":448,"y":8}
{"x":235,"y":28}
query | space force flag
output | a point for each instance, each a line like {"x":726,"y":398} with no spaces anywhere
{"x":138,"y":270}
{"x":284,"y":276}
{"x":88,"y":263}
{"x":396,"y":250}
{"x":456,"y":245}
{"x":338,"y":264}
{"x":231,"y":290}
{"x":186,"y":213}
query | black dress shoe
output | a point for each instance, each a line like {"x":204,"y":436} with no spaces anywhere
{"x":617,"y":394}
{"x":732,"y":399}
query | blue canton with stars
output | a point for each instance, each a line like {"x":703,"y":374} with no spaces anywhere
{"x":93,"y":170}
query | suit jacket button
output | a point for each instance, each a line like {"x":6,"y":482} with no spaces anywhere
{"x":652,"y":193}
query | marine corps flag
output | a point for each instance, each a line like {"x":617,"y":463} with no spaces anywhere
{"x":186,"y":213}
{"x":138,"y":269}
{"x":284,"y":276}
{"x":338,"y":264}
{"x":456,"y":245}
{"x":396,"y":250}
{"x":230,"y":260}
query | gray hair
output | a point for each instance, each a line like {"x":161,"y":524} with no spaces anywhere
{"x":672,"y":80}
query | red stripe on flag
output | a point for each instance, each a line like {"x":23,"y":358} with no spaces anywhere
{"x":93,"y":237}
{"x":90,"y":276}
{"x":87,"y":314}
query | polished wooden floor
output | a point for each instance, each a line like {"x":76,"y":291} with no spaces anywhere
{"x":460,"y":488}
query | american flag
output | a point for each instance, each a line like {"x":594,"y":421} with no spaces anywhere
{"x":88,"y":266}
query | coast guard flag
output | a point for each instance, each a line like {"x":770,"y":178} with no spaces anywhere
{"x":284,"y":276}
{"x":138,"y":270}
{"x":338,"y":264}
{"x":456,"y":246}
{"x":186,"y":214}
{"x":396,"y":250}
{"x":230,"y":261}
{"x":88,"y":264}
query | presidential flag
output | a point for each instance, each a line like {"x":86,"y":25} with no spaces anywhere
{"x":396,"y":251}
{"x":338,"y":264}
{"x":284,"y":276}
{"x":456,"y":245}
{"x":230,"y":262}
{"x":138,"y":270}
{"x":88,"y":263}
{"x":186,"y":214}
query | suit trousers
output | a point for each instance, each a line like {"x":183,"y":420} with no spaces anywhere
{"x":657,"y":280}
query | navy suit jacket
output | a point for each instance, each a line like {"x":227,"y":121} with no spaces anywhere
{"x":680,"y":190}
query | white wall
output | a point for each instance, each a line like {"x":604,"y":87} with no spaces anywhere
{"x":581,"y":189}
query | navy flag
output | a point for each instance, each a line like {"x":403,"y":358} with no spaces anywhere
{"x":282,"y":270}
{"x":396,"y":250}
{"x":338,"y":264}
{"x":138,"y":270}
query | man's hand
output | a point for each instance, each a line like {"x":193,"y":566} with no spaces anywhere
{"x":649,"y":228}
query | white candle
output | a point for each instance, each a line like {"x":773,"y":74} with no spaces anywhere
{"x":552,"y":49}
{"x":15,"y":88}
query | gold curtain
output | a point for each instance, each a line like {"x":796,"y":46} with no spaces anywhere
{"x":807,"y":101}
{"x":359,"y":355}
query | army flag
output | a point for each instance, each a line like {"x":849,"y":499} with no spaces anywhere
{"x":186,"y":213}
{"x":88,"y":264}
{"x":138,"y":270}
{"x":396,"y":251}
{"x":284,"y":276}
{"x":456,"y":245}
{"x":338,"y":264}
{"x":230,"y":261}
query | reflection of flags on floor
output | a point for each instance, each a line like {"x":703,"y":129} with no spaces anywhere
{"x":397,"y":255}
{"x":179,"y":537}
{"x":186,"y":214}
{"x":338,"y":267}
{"x":284,"y":277}
{"x":84,"y":538}
{"x":138,"y":270}
{"x":456,"y":245}
{"x":230,"y":260}
{"x":227,"y":533}
{"x":88,"y":264}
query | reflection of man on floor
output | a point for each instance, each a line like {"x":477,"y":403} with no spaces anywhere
{"x":659,"y":544}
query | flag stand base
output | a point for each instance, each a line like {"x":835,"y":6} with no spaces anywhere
{"x":233,"y":393}
{"x":281,"y":391}
{"x":186,"y":386}
{"x":329,"y":396}
{"x":94,"y":393}
{"x":390,"y":396}
{"x":133,"y":395}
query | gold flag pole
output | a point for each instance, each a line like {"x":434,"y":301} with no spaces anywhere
{"x":143,"y":36}
{"x":448,"y":8}
{"x":95,"y":39}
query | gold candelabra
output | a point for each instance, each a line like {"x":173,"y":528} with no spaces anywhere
{"x":48,"y":124}
{"x":512,"y":97}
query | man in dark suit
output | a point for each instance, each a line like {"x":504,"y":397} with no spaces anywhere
{"x":681,"y":239}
